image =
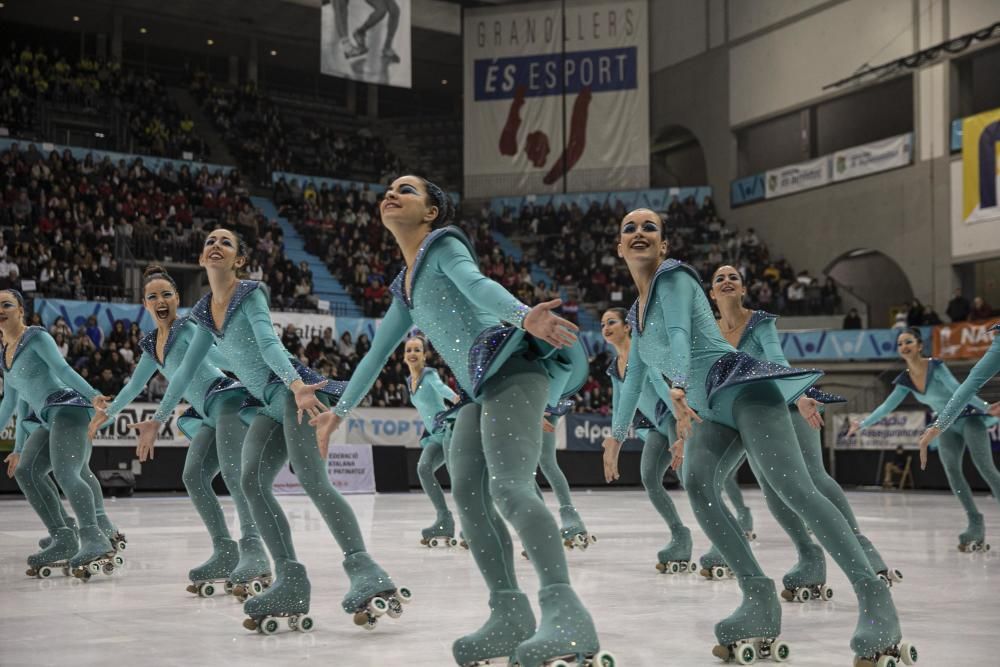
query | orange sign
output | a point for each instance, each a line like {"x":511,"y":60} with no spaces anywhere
{"x":963,"y":340}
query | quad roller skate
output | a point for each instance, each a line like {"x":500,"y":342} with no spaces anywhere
{"x":751,"y":632}
{"x":889,"y":576}
{"x":252,"y":574}
{"x":441,"y":534}
{"x":675,"y":558}
{"x":574,"y":533}
{"x":807,"y":580}
{"x":565,"y":635}
{"x":511,"y":622}
{"x":372,"y":593}
{"x":876,"y":640}
{"x":115,"y":536}
{"x":287,"y":598}
{"x":47,"y":540}
{"x":713,"y":566}
{"x":96,"y":555}
{"x":63,"y":545}
{"x":212,"y":575}
{"x":974,"y":537}
{"x":745,"y":519}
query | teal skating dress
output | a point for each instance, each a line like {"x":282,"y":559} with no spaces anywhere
{"x":964,"y":397}
{"x":429,"y":399}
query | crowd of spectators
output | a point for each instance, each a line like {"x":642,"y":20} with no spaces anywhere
{"x":30,"y":77}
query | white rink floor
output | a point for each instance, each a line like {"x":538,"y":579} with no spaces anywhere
{"x":949,"y":602}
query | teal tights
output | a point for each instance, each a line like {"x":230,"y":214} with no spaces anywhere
{"x":767,"y":436}
{"x":968,"y":432}
{"x":550,"y":466}
{"x":656,"y":457}
{"x":432,"y":458}
{"x":268,"y":445}
{"x":217,"y":447}
{"x":494,"y":451}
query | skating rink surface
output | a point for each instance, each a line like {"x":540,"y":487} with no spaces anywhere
{"x":949,"y":602}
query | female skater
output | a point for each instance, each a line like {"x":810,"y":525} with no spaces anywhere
{"x":235,"y":315}
{"x":428,"y":395}
{"x":36,"y":377}
{"x":741,"y":405}
{"x":658,"y":432}
{"x":931,"y":383}
{"x":510,"y":375}
{"x":754,"y":332}
{"x":216,"y":441}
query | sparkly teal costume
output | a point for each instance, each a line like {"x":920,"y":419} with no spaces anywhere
{"x":495,"y":447}
{"x":743,"y":402}
{"x":248,"y":346}
{"x":964,"y":421}
{"x":760,"y":340}
{"x":40,"y":380}
{"x":429,"y":400}
{"x":656,"y":426}
{"x":572,"y":528}
{"x":216,"y":434}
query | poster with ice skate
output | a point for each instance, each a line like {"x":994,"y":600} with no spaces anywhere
{"x":366,"y":40}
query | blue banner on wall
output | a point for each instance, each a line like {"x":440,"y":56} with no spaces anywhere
{"x":836,"y":345}
{"x":586,"y":431}
{"x":600,"y":70}
{"x":746,"y":190}
{"x":657,"y":199}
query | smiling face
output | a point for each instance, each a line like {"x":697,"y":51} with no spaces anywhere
{"x":406,"y":203}
{"x":414,"y":352}
{"x":727,"y":283}
{"x":11,"y":312}
{"x":641,"y":237}
{"x":908,"y":345}
{"x":614,"y":328}
{"x":222,"y":251}
{"x":161,"y":301}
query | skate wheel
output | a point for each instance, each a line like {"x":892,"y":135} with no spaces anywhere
{"x":377,"y":606}
{"x":581,"y":541}
{"x":119,"y":561}
{"x":895,"y":575}
{"x":453,"y":542}
{"x":121,"y":545}
{"x":718,"y":573}
{"x":108,"y":569}
{"x":256,"y":588}
{"x":269,"y":625}
{"x":206,"y":590}
{"x":826,"y":593}
{"x":908,"y":653}
{"x":780,"y":651}
{"x":229,"y":588}
{"x":66,"y":572}
{"x":45,"y":572}
{"x":803,"y":595}
{"x":886,"y":661}
{"x":885,"y":580}
{"x":433,"y":543}
{"x":675,"y":568}
{"x":692,"y":567}
{"x":986,"y":547}
{"x":304,"y":624}
{"x":746,"y":654}
{"x":94,"y":567}
{"x":395,"y":609}
{"x":404,"y":594}
{"x":559,"y":663}
{"x":604,"y":659}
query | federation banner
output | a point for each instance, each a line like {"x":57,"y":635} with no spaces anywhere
{"x":351,"y":469}
{"x":873,"y":158}
{"x":963,"y":340}
{"x":898,"y":429}
{"x":366,"y":40}
{"x":797,"y":177}
{"x":980,"y":177}
{"x":545,"y":110}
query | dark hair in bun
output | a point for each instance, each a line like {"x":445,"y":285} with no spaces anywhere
{"x":156,"y":272}
{"x":438,"y":197}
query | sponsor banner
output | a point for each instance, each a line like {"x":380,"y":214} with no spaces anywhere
{"x":351,"y":469}
{"x":873,"y":158}
{"x":746,"y":190}
{"x":382,"y":426}
{"x":542,"y":81}
{"x":980,"y":178}
{"x":797,"y":177}
{"x":963,"y":340}
{"x":118,"y":433}
{"x":657,"y":199}
{"x":898,"y":429}
{"x":586,"y":432}
{"x":361,"y":41}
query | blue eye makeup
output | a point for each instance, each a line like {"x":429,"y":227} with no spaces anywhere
{"x":650,"y":227}
{"x":629,"y":228}
{"x":408,"y":189}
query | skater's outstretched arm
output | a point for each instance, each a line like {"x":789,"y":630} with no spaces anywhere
{"x":443,"y":390}
{"x":888,"y":405}
{"x":144,"y":371}
{"x":199,"y":347}
{"x":980,"y":374}
{"x":45,"y":347}
{"x":258,"y":313}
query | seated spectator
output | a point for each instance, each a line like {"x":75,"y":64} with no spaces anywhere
{"x":980,"y":309}
{"x":852,"y":320}
{"x":958,"y":308}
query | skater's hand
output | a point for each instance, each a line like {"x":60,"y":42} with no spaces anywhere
{"x":548,"y":426}
{"x":612,"y":448}
{"x":685,"y":415}
{"x":542,"y":323}
{"x":995,"y":409}
{"x":305,"y":398}
{"x":12,"y":460}
{"x":95,"y":424}
{"x":326,"y":424}
{"x":100,"y":402}
{"x":855,"y":427}
{"x":147,"y":431}
{"x":677,"y":449}
{"x":809,"y":409}
{"x":925,"y":441}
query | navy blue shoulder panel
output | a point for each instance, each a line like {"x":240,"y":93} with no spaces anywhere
{"x":202,"y":311}
{"x":756,"y":317}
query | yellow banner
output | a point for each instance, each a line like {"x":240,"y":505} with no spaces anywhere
{"x":980,"y":136}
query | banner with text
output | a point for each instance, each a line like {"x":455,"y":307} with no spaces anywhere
{"x":351,"y":469}
{"x":899,"y":429}
{"x":873,"y":158}
{"x":797,"y":177}
{"x":118,"y":433}
{"x":367,"y":41}
{"x":963,"y":340}
{"x":542,"y":106}
{"x":586,"y":432}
